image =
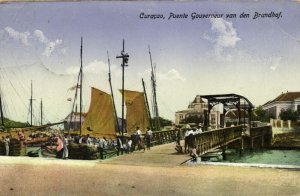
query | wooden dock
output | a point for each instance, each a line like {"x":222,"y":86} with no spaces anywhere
{"x":163,"y":155}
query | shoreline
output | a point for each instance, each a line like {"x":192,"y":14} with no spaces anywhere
{"x":42,"y":161}
{"x":28,"y":176}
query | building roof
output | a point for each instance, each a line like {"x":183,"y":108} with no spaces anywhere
{"x":76,"y":115}
{"x":187,"y":111}
{"x":198,"y":99}
{"x":288,"y":96}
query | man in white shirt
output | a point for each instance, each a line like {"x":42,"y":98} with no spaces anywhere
{"x":88,"y":140}
{"x":65,"y":147}
{"x":186,"y":139}
{"x":148,"y":137}
{"x":6,"y":142}
{"x":138,"y":131}
{"x":139,"y":139}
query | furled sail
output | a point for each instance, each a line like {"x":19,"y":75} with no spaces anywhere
{"x":136,"y":113}
{"x":100,"y":119}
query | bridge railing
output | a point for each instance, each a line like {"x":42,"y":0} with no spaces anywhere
{"x":162,"y":137}
{"x":217,"y":138}
{"x":204,"y":141}
{"x":264,"y":134}
{"x":209,"y":140}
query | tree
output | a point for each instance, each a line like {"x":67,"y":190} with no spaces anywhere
{"x":289,"y":114}
{"x":162,"y":121}
{"x":193,"y":119}
{"x":259,"y":114}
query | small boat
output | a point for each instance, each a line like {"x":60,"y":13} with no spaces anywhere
{"x":49,"y":151}
{"x":37,"y":141}
{"x":34,"y":153}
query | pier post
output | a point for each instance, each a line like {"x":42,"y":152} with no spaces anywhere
{"x":242,"y":146}
{"x":262,"y":141}
{"x":224,"y":153}
{"x":251,"y":144}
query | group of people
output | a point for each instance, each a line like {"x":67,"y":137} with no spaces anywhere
{"x":139,"y":139}
{"x":62,"y":143}
{"x":122,"y":144}
{"x":135,"y":141}
{"x":189,"y":141}
{"x":7,"y":139}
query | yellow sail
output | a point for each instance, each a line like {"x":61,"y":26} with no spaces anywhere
{"x":100,"y":119}
{"x":136,"y":113}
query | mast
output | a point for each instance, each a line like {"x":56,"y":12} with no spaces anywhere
{"x":124,"y":56}
{"x":80,"y":101}
{"x":112,"y":94}
{"x":1,"y":111}
{"x":147,"y":104}
{"x":31,"y":111}
{"x":41,"y":112}
{"x":74,"y":102}
{"x":153,"y":82}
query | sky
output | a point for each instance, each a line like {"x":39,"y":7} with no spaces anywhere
{"x":40,"y":42}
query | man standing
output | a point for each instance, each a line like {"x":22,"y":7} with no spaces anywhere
{"x":65,"y":147}
{"x":6,"y":143}
{"x":139,"y":139}
{"x":148,"y":137}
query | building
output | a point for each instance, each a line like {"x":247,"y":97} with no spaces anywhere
{"x":288,"y":100}
{"x":72,"y":121}
{"x":196,"y":109}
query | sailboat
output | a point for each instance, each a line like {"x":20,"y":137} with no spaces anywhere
{"x":136,"y":111}
{"x":100,"y":120}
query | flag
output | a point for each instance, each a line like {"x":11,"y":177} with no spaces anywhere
{"x":74,"y":87}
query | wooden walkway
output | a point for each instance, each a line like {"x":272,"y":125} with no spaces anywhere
{"x":162,"y":155}
{"x":165,"y":155}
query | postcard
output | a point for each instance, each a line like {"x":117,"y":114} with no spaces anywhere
{"x":171,"y":65}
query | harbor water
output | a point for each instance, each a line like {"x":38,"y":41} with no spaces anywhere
{"x":274,"y":157}
{"x":259,"y":158}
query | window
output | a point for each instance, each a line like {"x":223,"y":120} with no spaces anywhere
{"x":298,"y":108}
{"x":180,"y":116}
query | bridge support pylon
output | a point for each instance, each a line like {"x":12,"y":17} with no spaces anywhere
{"x":251,"y":144}
{"x":224,"y":153}
{"x":262,"y":141}
{"x":241,"y":146}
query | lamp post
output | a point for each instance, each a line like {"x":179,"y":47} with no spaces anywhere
{"x":124,"y":56}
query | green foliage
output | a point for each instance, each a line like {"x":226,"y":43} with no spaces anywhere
{"x":192,"y":119}
{"x":289,"y":115}
{"x":259,"y":114}
{"x":162,"y":121}
{"x":14,"y":124}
